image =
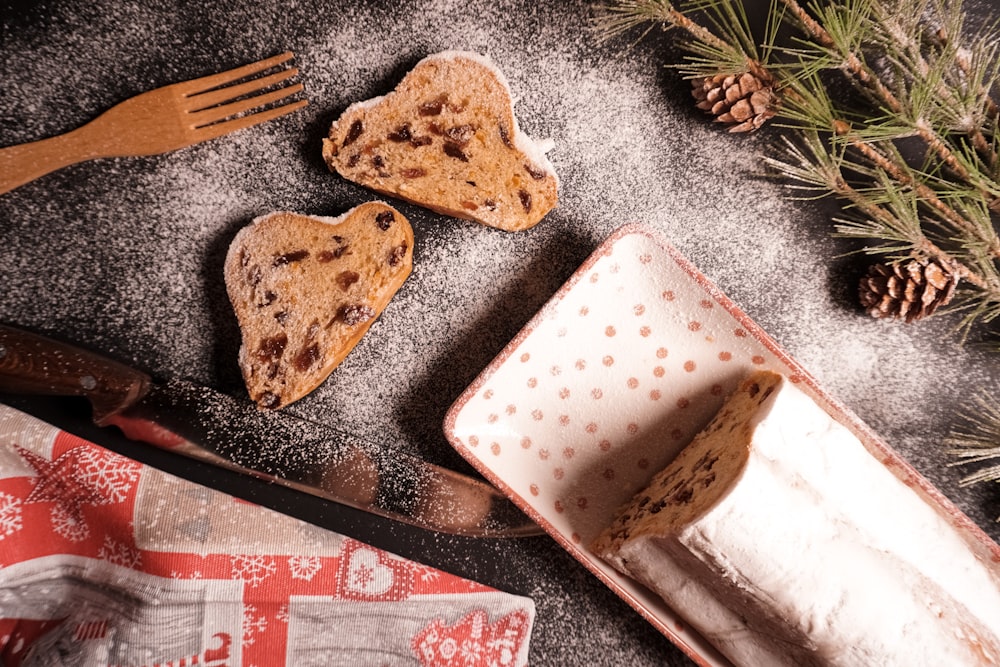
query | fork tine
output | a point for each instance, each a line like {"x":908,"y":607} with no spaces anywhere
{"x":218,"y":129}
{"x":199,"y":101}
{"x":217,"y":113}
{"x":222,"y":78}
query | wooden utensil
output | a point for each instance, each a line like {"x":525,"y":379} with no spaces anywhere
{"x":162,"y":120}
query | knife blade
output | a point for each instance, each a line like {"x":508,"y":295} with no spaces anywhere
{"x":213,"y":427}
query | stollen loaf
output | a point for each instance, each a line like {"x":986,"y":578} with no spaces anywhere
{"x":306,"y":289}
{"x":784,"y":541}
{"x":447,"y":139}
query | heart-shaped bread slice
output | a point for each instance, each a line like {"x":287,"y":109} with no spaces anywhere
{"x":306,"y":289}
{"x":446,"y":138}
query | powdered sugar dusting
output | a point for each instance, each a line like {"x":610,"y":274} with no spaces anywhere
{"x":125,"y":255}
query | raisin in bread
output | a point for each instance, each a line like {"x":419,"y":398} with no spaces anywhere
{"x":306,"y":289}
{"x":780,"y":537}
{"x":446,"y":138}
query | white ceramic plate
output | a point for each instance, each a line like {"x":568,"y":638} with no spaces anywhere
{"x":604,"y":386}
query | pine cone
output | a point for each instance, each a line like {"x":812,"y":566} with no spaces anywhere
{"x":908,"y":291}
{"x":744,"y":101}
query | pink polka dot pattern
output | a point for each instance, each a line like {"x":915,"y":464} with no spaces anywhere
{"x":611,"y":379}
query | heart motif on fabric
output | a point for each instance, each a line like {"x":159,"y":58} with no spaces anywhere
{"x":367,"y":574}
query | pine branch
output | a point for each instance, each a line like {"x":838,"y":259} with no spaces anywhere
{"x":861,"y":20}
{"x":977,"y":440}
{"x":897,"y":221}
{"x":893,"y":165}
{"x":628,"y":14}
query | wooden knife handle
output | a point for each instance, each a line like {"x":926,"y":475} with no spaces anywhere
{"x":35,"y":364}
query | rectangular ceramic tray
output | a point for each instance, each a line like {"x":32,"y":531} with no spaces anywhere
{"x":605,"y":385}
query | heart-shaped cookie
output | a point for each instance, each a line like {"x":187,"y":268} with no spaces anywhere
{"x":446,"y":138}
{"x":306,"y":289}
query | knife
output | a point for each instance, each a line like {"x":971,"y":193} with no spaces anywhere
{"x":274,"y":446}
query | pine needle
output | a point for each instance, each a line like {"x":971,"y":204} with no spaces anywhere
{"x":978,"y":441}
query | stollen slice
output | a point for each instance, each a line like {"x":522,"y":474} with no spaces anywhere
{"x":306,"y":289}
{"x":447,"y":139}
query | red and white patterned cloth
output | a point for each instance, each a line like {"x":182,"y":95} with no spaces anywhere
{"x":105,"y":561}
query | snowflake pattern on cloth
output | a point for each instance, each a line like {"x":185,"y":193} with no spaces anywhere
{"x":100,"y":564}
{"x":473,"y":641}
{"x":304,"y":567}
{"x":10,"y":515}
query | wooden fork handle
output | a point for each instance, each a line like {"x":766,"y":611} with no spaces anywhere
{"x":24,"y":163}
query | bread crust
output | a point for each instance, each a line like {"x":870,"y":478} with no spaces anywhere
{"x":447,"y":139}
{"x":306,"y":289}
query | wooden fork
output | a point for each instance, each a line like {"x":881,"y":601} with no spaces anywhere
{"x":160,"y":120}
